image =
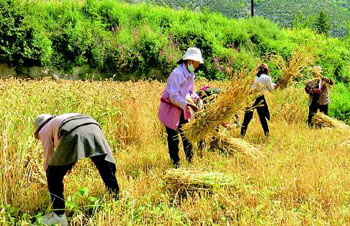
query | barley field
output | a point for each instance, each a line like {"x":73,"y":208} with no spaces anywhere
{"x":302,"y":180}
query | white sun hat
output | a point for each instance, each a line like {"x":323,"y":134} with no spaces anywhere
{"x":40,"y":121}
{"x":193,"y":53}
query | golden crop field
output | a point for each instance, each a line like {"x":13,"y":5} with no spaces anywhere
{"x":304,"y":178}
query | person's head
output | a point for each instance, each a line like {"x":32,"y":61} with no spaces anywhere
{"x":39,"y":123}
{"x":317,"y":71}
{"x":193,"y":56}
{"x":263,"y":69}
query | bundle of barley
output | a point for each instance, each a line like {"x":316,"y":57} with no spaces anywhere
{"x":234,"y":99}
{"x":230,"y":145}
{"x":345,"y":144}
{"x":185,"y":179}
{"x":301,"y":59}
{"x":321,"y":120}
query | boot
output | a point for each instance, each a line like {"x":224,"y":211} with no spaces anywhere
{"x":266,"y":133}
{"x":53,"y":219}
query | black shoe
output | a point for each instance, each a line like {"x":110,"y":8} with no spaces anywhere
{"x":176,"y":165}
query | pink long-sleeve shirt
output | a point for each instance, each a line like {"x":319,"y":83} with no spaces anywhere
{"x":173,"y":102}
{"x":49,"y":138}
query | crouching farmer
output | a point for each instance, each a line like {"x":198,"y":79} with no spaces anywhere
{"x":66,"y":139}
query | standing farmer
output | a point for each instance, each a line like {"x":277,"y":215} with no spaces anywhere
{"x":66,"y":139}
{"x":174,"y":109}
{"x":318,"y":90}
{"x":263,"y":81}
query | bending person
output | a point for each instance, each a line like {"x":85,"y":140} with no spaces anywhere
{"x":66,"y":139}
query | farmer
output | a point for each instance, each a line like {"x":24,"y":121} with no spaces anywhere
{"x":66,"y":139}
{"x":176,"y":101}
{"x":318,"y":90}
{"x":264,"y":82}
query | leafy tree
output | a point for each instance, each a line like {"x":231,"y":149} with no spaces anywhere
{"x":301,"y":21}
{"x":323,"y":24}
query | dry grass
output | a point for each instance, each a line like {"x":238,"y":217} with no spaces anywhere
{"x":187,"y":180}
{"x":303,"y":180}
{"x":230,"y":145}
{"x":291,"y":70}
{"x":235,"y":98}
{"x":323,"y":121}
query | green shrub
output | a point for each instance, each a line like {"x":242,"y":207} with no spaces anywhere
{"x":144,"y":40}
{"x":340,"y":102}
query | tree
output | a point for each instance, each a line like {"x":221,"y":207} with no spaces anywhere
{"x":323,"y":24}
{"x":301,"y":21}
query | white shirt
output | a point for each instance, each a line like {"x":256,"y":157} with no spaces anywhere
{"x":265,"y":82}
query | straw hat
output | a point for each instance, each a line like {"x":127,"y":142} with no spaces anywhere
{"x":40,"y":121}
{"x":193,"y":53}
{"x":317,"y":70}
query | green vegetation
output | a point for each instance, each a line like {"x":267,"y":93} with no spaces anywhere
{"x":126,"y":41}
{"x":280,"y":11}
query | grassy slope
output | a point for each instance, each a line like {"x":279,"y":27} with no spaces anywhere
{"x":284,"y":12}
{"x":280,"y":11}
{"x":303,"y":180}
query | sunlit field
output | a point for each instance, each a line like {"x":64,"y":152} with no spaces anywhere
{"x":304,"y":178}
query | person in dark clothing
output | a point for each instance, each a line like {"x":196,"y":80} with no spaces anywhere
{"x":263,"y":80}
{"x":318,"y":90}
{"x":66,"y":139}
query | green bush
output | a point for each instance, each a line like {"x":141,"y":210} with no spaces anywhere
{"x":339,"y":106}
{"x":23,"y":41}
{"x":146,"y":41}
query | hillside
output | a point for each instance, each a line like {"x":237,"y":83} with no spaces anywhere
{"x":280,"y":11}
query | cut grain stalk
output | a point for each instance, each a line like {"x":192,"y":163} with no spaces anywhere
{"x":323,"y":121}
{"x":301,"y":59}
{"x":187,"y":179}
{"x":235,"y":98}
{"x":230,"y":145}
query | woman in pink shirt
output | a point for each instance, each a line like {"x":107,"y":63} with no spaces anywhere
{"x":174,"y":109}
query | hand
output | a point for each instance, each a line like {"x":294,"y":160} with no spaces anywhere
{"x":327,"y":80}
{"x":226,"y":125}
{"x":317,"y":91}
{"x":192,"y":106}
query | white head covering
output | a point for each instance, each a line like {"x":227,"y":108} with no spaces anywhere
{"x":193,"y":53}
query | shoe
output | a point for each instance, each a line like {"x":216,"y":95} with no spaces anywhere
{"x":176,"y":165}
{"x":53,"y":219}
